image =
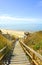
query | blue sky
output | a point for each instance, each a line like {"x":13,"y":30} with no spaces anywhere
{"x":21,"y":14}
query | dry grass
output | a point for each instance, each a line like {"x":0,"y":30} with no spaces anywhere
{"x":4,"y":42}
{"x":34,"y":40}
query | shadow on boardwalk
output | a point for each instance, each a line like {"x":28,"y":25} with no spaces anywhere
{"x":7,"y":58}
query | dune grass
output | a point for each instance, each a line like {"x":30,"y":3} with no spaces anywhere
{"x":34,"y":40}
{"x":4,"y":42}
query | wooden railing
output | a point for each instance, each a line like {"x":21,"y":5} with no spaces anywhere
{"x":2,"y":52}
{"x":34,"y":56}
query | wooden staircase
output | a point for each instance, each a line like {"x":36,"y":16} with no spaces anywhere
{"x":18,"y":56}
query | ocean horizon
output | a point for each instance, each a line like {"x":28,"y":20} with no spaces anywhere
{"x":22,"y":27}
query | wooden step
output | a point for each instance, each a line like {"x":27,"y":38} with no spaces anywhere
{"x":19,"y":57}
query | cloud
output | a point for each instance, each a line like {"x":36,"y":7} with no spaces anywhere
{"x":16,"y":19}
{"x":10,"y":20}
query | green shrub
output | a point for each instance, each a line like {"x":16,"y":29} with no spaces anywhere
{"x":36,"y":47}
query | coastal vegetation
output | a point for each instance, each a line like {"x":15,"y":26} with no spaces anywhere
{"x":4,"y":41}
{"x":34,"y":40}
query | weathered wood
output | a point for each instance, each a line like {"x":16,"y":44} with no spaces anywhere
{"x":1,"y":52}
{"x":37,"y":54}
{"x":2,"y":49}
{"x":19,"y":57}
{"x":26,"y":48}
{"x":34,"y":62}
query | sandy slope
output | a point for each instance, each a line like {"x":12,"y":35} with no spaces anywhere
{"x":13,"y":32}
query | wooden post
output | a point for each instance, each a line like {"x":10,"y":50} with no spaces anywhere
{"x":33,"y":59}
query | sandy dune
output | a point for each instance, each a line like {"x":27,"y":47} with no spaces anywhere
{"x":13,"y":32}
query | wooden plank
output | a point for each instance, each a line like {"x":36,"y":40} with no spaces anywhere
{"x":2,"y":49}
{"x":19,"y":57}
{"x":37,"y":54}
{"x":30,"y":56}
{"x":1,"y":52}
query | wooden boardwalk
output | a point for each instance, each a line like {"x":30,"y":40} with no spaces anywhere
{"x":19,"y":57}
